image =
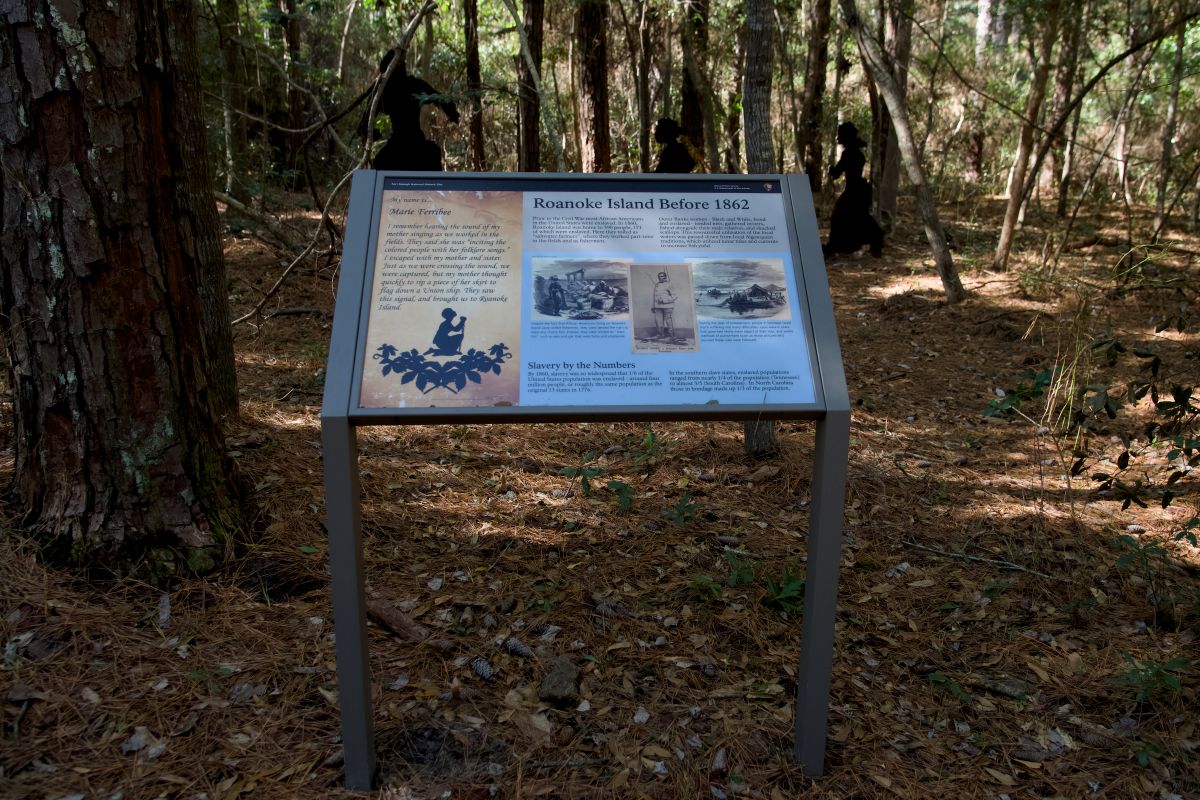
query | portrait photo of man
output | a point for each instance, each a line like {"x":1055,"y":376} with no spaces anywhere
{"x":663,"y":309}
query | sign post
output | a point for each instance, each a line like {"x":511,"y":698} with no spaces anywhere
{"x":488,"y":298}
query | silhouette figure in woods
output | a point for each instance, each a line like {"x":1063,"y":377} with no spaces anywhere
{"x":402,"y":98}
{"x":674,"y":156}
{"x":851,"y":225}
{"x":448,"y":339}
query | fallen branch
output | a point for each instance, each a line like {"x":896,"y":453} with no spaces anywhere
{"x":281,"y":235}
{"x":385,"y":614}
{"x":995,"y":562}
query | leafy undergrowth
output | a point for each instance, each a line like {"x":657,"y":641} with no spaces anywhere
{"x":612,"y":610}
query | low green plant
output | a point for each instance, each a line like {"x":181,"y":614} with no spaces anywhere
{"x":704,"y":587}
{"x":944,"y":681}
{"x":741,"y":571}
{"x":684,"y":511}
{"x":1188,"y":532}
{"x":652,"y":448}
{"x":1150,"y":678}
{"x":786,"y":594}
{"x":1012,"y":399}
{"x":584,"y":472}
{"x":624,"y":493}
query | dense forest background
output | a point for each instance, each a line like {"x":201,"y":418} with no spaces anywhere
{"x":1093,"y":94}
{"x":603,"y":610}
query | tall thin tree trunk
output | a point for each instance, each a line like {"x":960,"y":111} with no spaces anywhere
{"x":1168,"y":140}
{"x":873,"y":57}
{"x":1064,"y":84}
{"x":812,"y":108}
{"x":295,"y":98}
{"x":474,"y":83}
{"x":733,"y":106}
{"x":898,"y":41}
{"x":756,"y":92}
{"x":592,"y":46}
{"x":760,"y":437}
{"x":1033,"y":103}
{"x":110,"y":235}
{"x":698,"y":116}
{"x":643,"y":85}
{"x":233,"y":98}
{"x":841,"y":66}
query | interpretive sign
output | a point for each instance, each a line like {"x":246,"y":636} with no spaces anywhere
{"x":535,"y":294}
{"x":520,"y":297}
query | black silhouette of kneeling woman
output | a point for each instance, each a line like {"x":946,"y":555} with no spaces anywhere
{"x":851,"y":225}
{"x":401,"y":100}
{"x":674,"y":156}
{"x":449,"y":337}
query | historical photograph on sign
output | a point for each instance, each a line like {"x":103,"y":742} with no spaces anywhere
{"x":444,"y":324}
{"x":743,"y":288}
{"x":662,"y":308}
{"x":580,"y":288}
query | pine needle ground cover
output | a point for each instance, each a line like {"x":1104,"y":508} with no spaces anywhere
{"x":613,"y":610}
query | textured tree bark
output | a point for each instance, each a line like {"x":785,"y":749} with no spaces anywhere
{"x":756,"y":91}
{"x":474,"y":83}
{"x":1037,"y":93}
{"x":698,"y":117}
{"x":812,"y":107}
{"x":760,"y":438}
{"x":533,"y":105}
{"x":107,"y":241}
{"x":591,"y":33}
{"x":873,"y":57}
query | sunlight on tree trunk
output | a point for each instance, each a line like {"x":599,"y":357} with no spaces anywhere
{"x":873,"y":56}
{"x":1033,"y":103}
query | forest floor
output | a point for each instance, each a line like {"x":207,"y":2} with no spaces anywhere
{"x":1003,"y":629}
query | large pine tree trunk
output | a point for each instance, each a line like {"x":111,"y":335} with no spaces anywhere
{"x":108,"y":239}
{"x":591,"y":33}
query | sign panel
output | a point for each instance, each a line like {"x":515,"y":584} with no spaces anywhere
{"x":528,"y":297}
{"x":559,"y":293}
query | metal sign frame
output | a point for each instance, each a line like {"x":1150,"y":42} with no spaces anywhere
{"x":340,"y":418}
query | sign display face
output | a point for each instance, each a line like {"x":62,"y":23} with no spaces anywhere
{"x":537,"y":293}
{"x":569,"y":298}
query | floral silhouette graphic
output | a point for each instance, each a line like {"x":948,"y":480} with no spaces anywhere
{"x":427,"y":375}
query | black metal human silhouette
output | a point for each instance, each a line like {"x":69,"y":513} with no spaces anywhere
{"x":851,"y":225}
{"x":674,"y":156}
{"x":448,"y":339}
{"x":403,"y":95}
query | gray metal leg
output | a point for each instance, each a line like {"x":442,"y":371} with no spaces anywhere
{"x":343,"y":519}
{"x":820,"y":591}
